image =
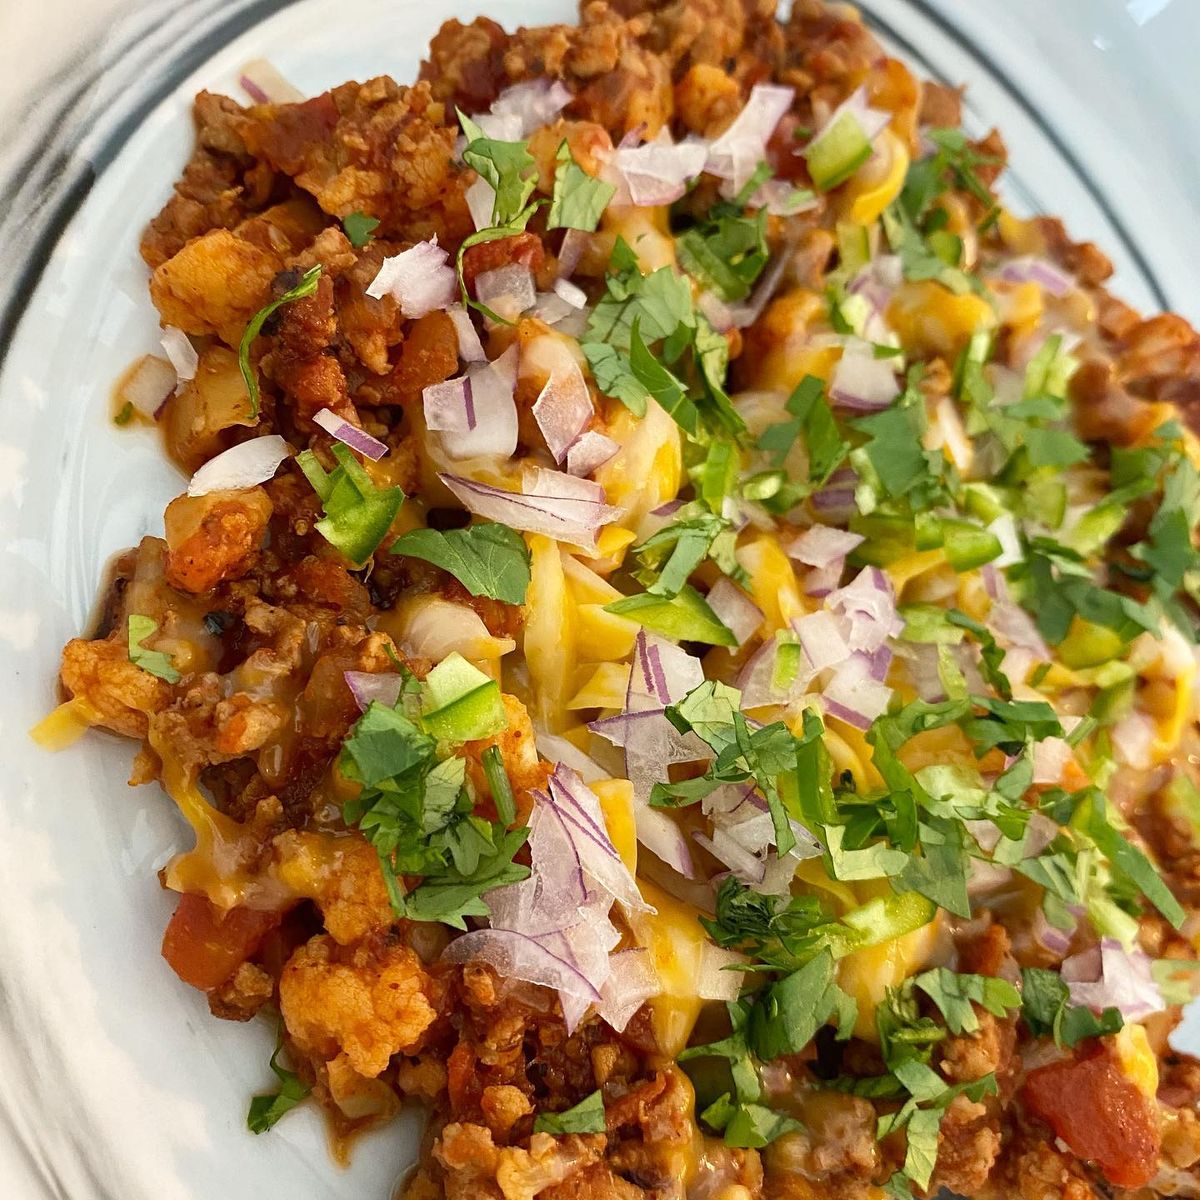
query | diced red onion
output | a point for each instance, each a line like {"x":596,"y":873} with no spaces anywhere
{"x":563,"y":408}
{"x":420,"y":279}
{"x":823,"y":546}
{"x":650,"y":733}
{"x":149,"y":385}
{"x":574,"y":243}
{"x":533,"y":102}
{"x":242,"y":466}
{"x":434,"y":628}
{"x":508,"y":291}
{"x":580,"y":809}
{"x":350,"y":435}
{"x":735,"y":155}
{"x":263,"y":83}
{"x":662,"y":673}
{"x":735,"y":610}
{"x":368,"y":688}
{"x":662,"y":837}
{"x":853,"y":696}
{"x":1124,"y":981}
{"x":631,"y":982}
{"x":478,"y":410}
{"x":836,"y":499}
{"x":869,"y":603}
{"x":1050,"y":758}
{"x":861,"y":381}
{"x":820,"y":581}
{"x":590,"y":451}
{"x":821,"y":639}
{"x":1133,"y":739}
{"x":746,"y":866}
{"x":516,"y":956}
{"x":756,"y":679}
{"x":481,"y":203}
{"x":470,"y":348}
{"x":658,"y":172}
{"x":992,"y":583}
{"x":1050,"y":937}
{"x":780,"y":198}
{"x":557,"y":749}
{"x":563,"y":517}
{"x":572,"y":293}
{"x":1029,"y":269}
{"x":179,"y":349}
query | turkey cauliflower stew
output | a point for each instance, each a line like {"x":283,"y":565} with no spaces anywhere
{"x":678,"y":648}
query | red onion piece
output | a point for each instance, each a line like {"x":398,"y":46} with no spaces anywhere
{"x":824,"y":546}
{"x":566,"y":518}
{"x":532,"y":103}
{"x":868,"y":603}
{"x":716,"y":311}
{"x":508,"y":291}
{"x":746,"y":313}
{"x":516,"y":956}
{"x":1051,"y":757}
{"x":735,"y":155}
{"x":557,"y":749}
{"x":368,"y":688}
{"x":242,"y":466}
{"x":263,"y":83}
{"x":420,"y":279}
{"x":631,"y":982}
{"x":470,"y":348}
{"x":658,"y":172}
{"x":820,"y":581}
{"x":835,"y":501}
{"x":1030,"y":269}
{"x":745,"y":865}
{"x":570,"y":292}
{"x":853,"y":696}
{"x":1050,"y":937}
{"x":563,"y":409}
{"x":149,"y":385}
{"x":590,"y":451}
{"x":1124,"y":981}
{"x":663,"y":838}
{"x":481,"y":203}
{"x":574,"y":243}
{"x":179,"y":349}
{"x":781,"y":198}
{"x":861,"y":381}
{"x":350,"y":435}
{"x":821,"y":640}
{"x":478,"y":410}
{"x":662,"y":673}
{"x":736,"y":611}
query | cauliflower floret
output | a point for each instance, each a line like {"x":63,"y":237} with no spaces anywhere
{"x":213,"y":537}
{"x":367,"y":1002}
{"x":121,"y":693}
{"x":342,"y":875}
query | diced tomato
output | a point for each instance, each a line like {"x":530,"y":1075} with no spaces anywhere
{"x":205,"y":944}
{"x":523,"y":248}
{"x":1100,"y":1114}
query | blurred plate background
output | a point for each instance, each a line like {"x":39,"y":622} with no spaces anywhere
{"x":114,"y":1080}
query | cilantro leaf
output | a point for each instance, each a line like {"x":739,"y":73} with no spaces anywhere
{"x":579,"y":199}
{"x":726,"y":253}
{"x":954,"y":994}
{"x":507,"y":166}
{"x":359,"y":228}
{"x":659,"y":382}
{"x":813,"y":418}
{"x":266,"y":1109}
{"x":488,"y":559}
{"x":586,"y":1117}
{"x":306,"y":287}
{"x":138,"y":628}
{"x":358,"y":514}
{"x":1047,"y":1009}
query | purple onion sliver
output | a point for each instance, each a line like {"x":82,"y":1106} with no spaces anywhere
{"x":253,"y":90}
{"x":366,"y":687}
{"x":836,"y":709}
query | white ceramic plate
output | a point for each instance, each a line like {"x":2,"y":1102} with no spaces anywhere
{"x":114,"y":1079}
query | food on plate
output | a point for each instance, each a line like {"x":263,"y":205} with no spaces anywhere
{"x":677,"y":650}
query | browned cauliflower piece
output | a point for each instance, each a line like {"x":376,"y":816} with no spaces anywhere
{"x":121,"y":693}
{"x":366,"y":1002}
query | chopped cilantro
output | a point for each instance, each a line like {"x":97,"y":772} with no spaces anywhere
{"x":586,"y":1117}
{"x":306,"y":287}
{"x":489,"y":559}
{"x":579,"y":199}
{"x":359,"y":228}
{"x":1047,"y":1009}
{"x":138,"y":628}
{"x":813,"y":419}
{"x":266,"y":1109}
{"x":124,"y":414}
{"x":725,"y":253}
